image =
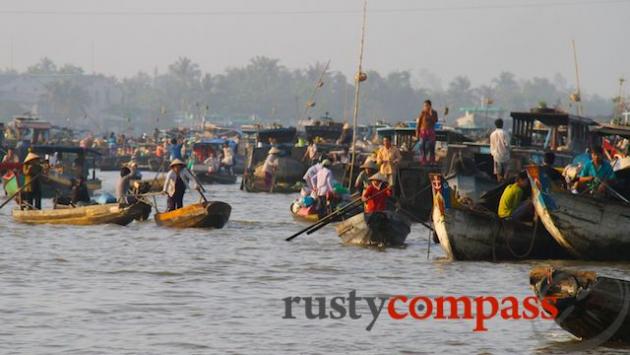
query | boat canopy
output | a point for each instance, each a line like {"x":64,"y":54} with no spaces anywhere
{"x":612,"y":130}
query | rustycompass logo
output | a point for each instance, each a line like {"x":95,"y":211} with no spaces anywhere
{"x":477,"y":309}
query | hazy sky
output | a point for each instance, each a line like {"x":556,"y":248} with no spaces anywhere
{"x":478,"y":38}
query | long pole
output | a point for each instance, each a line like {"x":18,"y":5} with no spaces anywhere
{"x":578,"y":104}
{"x":357,"y":89}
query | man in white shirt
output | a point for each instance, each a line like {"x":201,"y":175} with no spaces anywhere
{"x":310,"y":178}
{"x":500,"y":150}
{"x":323,"y":187}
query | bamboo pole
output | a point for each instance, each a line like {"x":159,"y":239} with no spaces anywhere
{"x":578,"y":103}
{"x":357,"y":83}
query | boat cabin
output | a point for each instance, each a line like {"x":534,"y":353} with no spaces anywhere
{"x":28,"y":128}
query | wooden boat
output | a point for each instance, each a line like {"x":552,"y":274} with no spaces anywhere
{"x":387,"y":228}
{"x":586,"y":227}
{"x":593,"y":308}
{"x":476,"y":233}
{"x":306,"y":214}
{"x":112,"y":213}
{"x":218,"y":177}
{"x":199,"y":215}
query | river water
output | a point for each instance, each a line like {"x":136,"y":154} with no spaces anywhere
{"x":144,"y":289}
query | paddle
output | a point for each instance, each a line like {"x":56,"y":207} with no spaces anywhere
{"x":18,"y":191}
{"x":200,"y":187}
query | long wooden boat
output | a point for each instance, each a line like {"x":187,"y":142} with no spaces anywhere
{"x":593,"y":308}
{"x":199,"y":215}
{"x":387,"y":228}
{"x":476,"y":233}
{"x":217,"y":177}
{"x":112,"y":213}
{"x":586,"y":227}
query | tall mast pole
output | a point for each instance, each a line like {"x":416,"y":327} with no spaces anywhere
{"x":578,"y":101}
{"x":360,"y":76}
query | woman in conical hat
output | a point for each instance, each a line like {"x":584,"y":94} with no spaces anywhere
{"x":376,"y":194}
{"x":175,"y":184}
{"x":32,"y":170}
{"x":363,"y":180}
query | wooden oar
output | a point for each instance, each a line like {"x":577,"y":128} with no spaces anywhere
{"x":200,"y":188}
{"x":18,"y":191}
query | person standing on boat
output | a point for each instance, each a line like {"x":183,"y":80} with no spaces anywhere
{"x":270,"y":166}
{"x":310,"y":178}
{"x":32,"y":171}
{"x":388,"y":158}
{"x":11,"y":157}
{"x":425,"y":132}
{"x":597,"y":173}
{"x":324,"y":188}
{"x":310,"y":156}
{"x":175,"y":184}
{"x":123,"y":185}
{"x":175,"y":150}
{"x":500,"y":150}
{"x":376,"y":194}
{"x":363,"y":180}
{"x":511,"y":204}
{"x":227,"y":162}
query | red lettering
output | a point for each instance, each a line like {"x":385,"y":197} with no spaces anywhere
{"x":511,"y":311}
{"x":391,"y":307}
{"x":481,"y":316}
{"x":454,"y":308}
{"x":530,"y":304}
{"x":549,"y":306}
{"x":413,"y":305}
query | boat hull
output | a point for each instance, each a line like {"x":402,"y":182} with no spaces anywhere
{"x":386,"y":228}
{"x":587,"y":228}
{"x":200,"y":215}
{"x":86,"y":215}
{"x":593,"y":308}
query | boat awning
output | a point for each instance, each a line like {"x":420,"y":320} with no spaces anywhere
{"x":552,"y":118}
{"x":612,"y":130}
{"x":51,"y":149}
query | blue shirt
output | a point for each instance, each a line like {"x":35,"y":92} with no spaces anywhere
{"x":176,"y":151}
{"x":604,"y":172}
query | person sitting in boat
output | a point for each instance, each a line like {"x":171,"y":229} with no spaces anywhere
{"x":227,"y":161}
{"x":500,"y":150}
{"x":557,"y":180}
{"x":363,"y":180}
{"x":32,"y":171}
{"x":175,"y":184}
{"x":376,"y":194}
{"x":511,"y":205}
{"x":79,"y":194}
{"x":212,"y":162}
{"x":324,"y":188}
{"x":596,"y":174}
{"x":388,"y":157}
{"x":270,"y":166}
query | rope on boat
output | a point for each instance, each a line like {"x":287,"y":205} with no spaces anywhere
{"x":531,"y":243}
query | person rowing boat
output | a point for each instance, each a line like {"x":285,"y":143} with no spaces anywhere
{"x":175,"y":184}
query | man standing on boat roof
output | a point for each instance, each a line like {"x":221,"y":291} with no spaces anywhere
{"x":388,"y":157}
{"x":32,"y":171}
{"x":500,"y":150}
{"x":597,"y":173}
{"x":376,"y":194}
{"x":425,"y":132}
{"x":177,"y":180}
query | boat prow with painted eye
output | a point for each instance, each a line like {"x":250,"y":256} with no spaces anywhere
{"x":199,"y":215}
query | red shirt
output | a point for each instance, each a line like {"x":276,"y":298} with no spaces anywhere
{"x":378,"y":203}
